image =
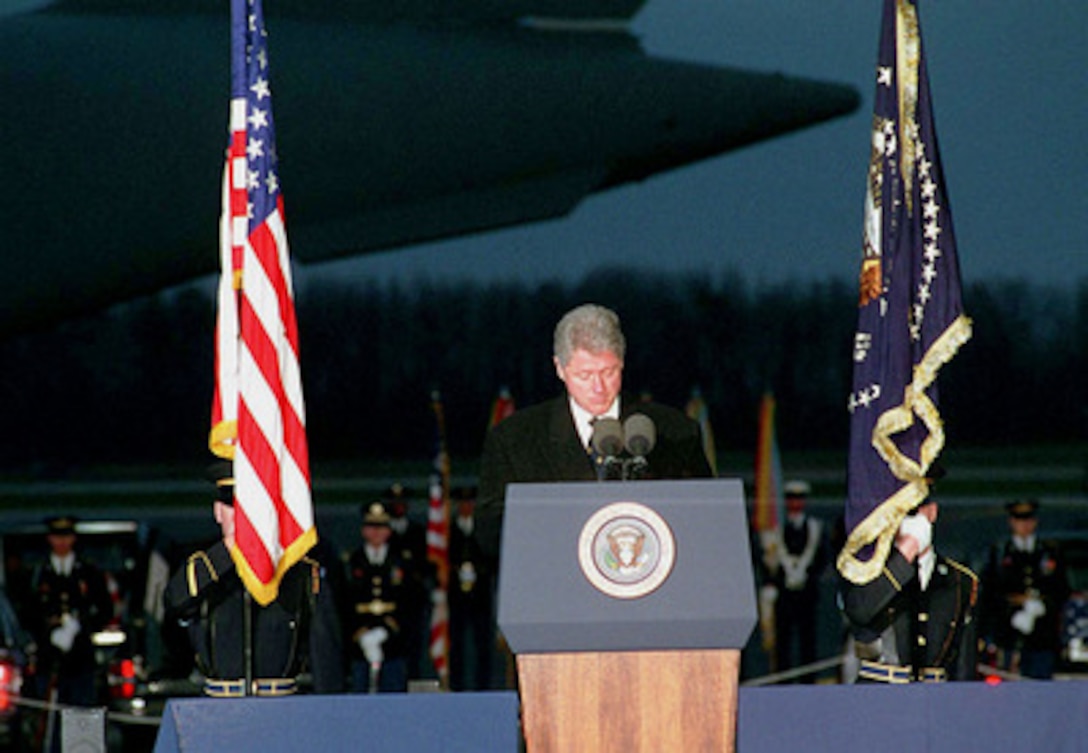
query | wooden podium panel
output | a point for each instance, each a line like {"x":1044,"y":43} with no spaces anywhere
{"x":629,"y":701}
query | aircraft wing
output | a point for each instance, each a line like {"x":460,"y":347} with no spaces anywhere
{"x":397,"y":123}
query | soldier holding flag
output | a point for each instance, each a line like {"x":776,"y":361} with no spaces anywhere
{"x":915,"y":622}
{"x":911,"y":612}
{"x":297,"y":632}
{"x":256,"y":603}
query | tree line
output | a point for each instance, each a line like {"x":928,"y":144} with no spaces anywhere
{"x":134,"y":383}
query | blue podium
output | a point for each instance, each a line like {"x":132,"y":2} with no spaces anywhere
{"x":393,"y":723}
{"x":627,"y":605}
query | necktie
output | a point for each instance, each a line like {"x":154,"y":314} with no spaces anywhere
{"x":595,"y":457}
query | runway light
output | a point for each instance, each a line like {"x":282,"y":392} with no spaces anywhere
{"x":993,"y":680}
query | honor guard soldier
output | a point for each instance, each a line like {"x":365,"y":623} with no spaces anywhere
{"x":296,"y":635}
{"x":408,"y":541}
{"x":71,"y":603}
{"x":376,"y":584}
{"x":915,"y":622}
{"x":793,"y":561}
{"x":471,"y":600}
{"x":1024,"y":589}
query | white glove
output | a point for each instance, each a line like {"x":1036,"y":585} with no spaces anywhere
{"x":1024,"y":619}
{"x":918,"y":528}
{"x":1023,"y":622}
{"x":371,"y":643}
{"x":64,"y":635}
{"x":794,"y":573}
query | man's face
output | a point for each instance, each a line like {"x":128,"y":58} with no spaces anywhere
{"x":224,"y":516}
{"x":1023,"y":527}
{"x":61,"y":543}
{"x":593,"y":380}
{"x":929,"y":509}
{"x":376,"y":536}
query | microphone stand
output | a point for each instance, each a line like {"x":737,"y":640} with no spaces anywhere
{"x":633,"y":467}
{"x":604,"y":466}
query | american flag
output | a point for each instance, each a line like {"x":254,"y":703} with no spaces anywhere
{"x":438,"y":545}
{"x":258,"y":418}
{"x":910,"y":320}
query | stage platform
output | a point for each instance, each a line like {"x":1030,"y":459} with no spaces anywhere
{"x":1012,"y":717}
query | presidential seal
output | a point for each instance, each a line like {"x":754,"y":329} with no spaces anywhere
{"x":626,"y":550}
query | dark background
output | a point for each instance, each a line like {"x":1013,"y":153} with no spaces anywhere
{"x":133,"y":384}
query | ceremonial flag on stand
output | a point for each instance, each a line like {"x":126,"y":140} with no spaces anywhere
{"x":768,"y":513}
{"x":768,"y":501}
{"x":698,"y":410}
{"x":438,"y":537}
{"x":910,"y":319}
{"x":503,"y":407}
{"x":258,"y":418}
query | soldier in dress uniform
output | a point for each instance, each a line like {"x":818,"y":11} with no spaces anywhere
{"x":298,"y":634}
{"x":1024,"y":589}
{"x":408,"y":536}
{"x":409,"y":540}
{"x":376,"y":585}
{"x":71,"y":603}
{"x":471,"y":600}
{"x":915,"y":622}
{"x":794,"y":561}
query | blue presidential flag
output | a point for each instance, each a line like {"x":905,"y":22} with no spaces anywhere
{"x":910,"y":316}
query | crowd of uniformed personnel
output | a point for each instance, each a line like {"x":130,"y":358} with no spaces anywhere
{"x":358,"y":621}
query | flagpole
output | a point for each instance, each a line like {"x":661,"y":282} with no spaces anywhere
{"x":247,"y":640}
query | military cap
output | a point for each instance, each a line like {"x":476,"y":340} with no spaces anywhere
{"x":61,"y":524}
{"x":221,"y":473}
{"x":375,"y":514}
{"x":1022,"y":508}
{"x":396,"y":492}
{"x":797,"y":489}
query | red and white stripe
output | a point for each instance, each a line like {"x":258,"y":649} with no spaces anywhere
{"x":438,"y":546}
{"x":258,"y":413}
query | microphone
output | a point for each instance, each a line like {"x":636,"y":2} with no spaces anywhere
{"x":640,"y":436}
{"x":606,"y":442}
{"x":640,"y":433}
{"x":607,"y":437}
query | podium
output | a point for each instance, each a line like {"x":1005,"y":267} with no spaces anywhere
{"x":626,"y":605}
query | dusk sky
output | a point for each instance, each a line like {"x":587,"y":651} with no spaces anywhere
{"x":1009,"y":96}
